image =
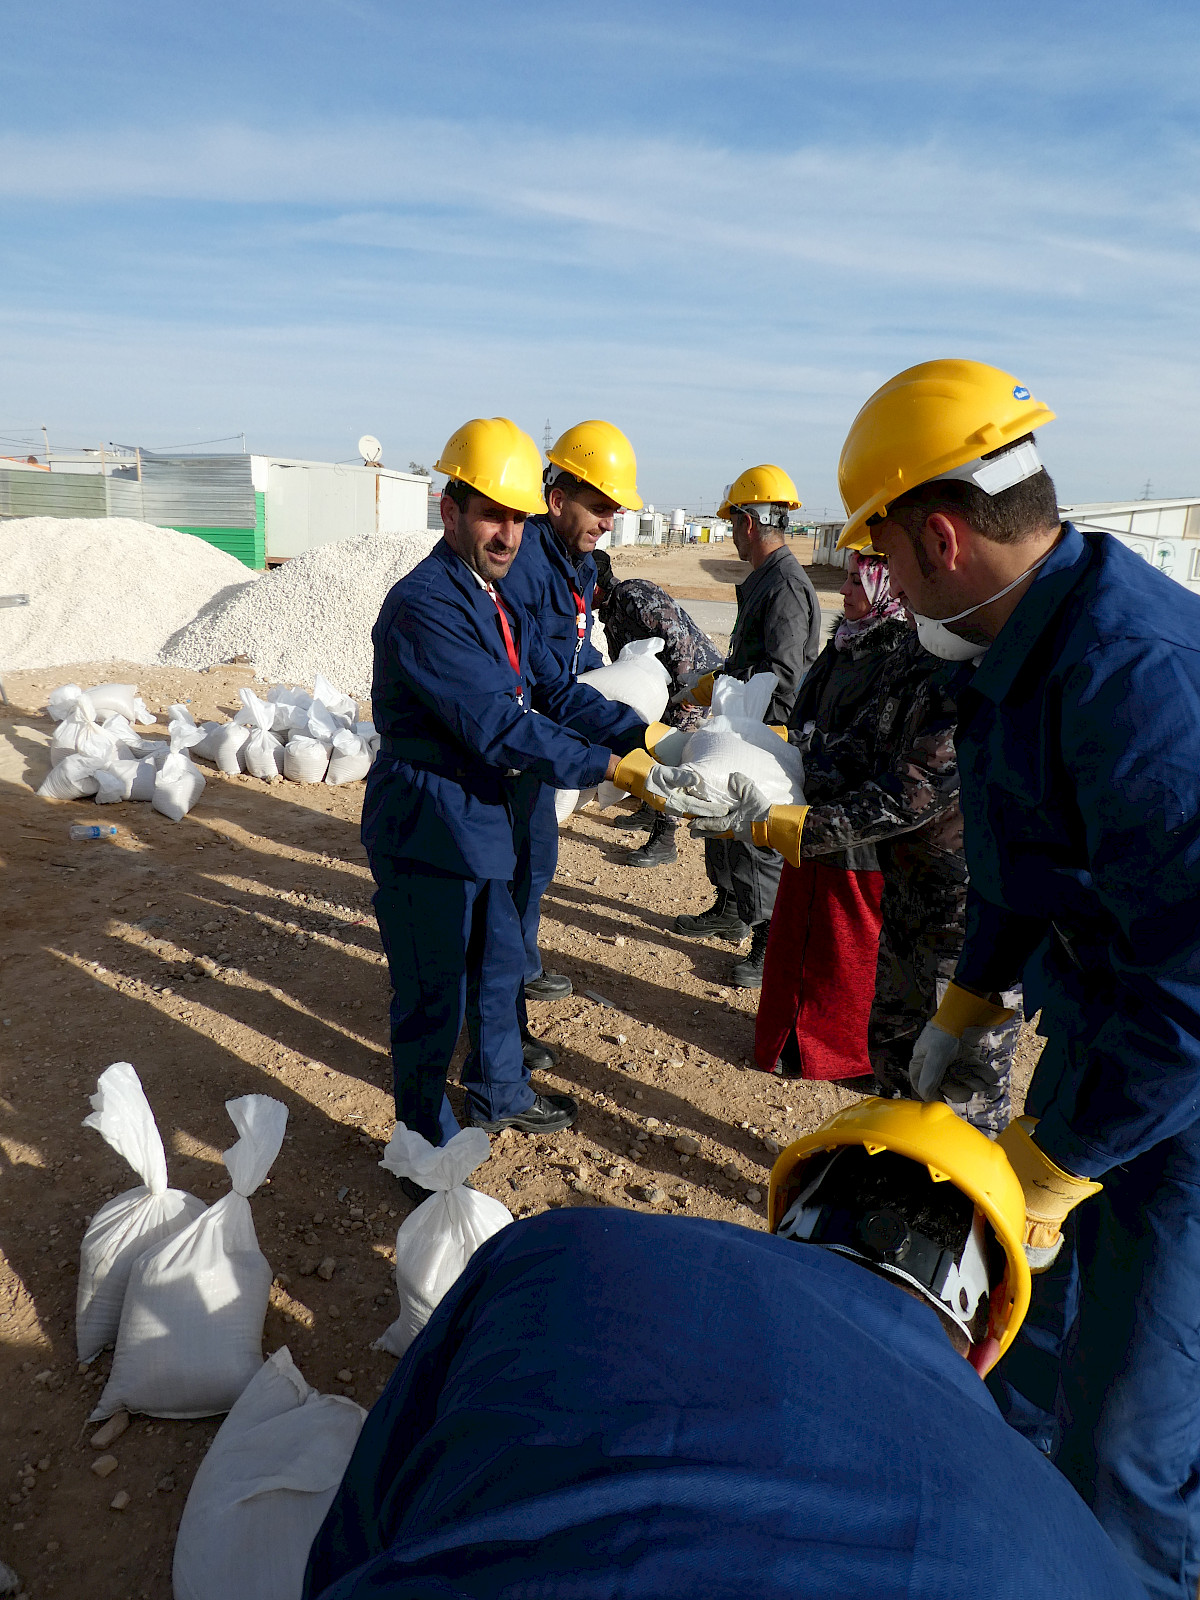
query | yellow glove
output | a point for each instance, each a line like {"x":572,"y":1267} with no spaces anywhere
{"x":701,"y":692}
{"x":780,"y":728}
{"x":631,"y":774}
{"x":781,"y":829}
{"x":654,"y":732}
{"x":1050,"y":1193}
{"x":960,"y":1010}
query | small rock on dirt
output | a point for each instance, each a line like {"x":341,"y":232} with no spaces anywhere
{"x":120,"y":1500}
{"x":327,"y":1269}
{"x":687,"y":1146}
{"x":753,"y":1196}
{"x":111,"y":1431}
{"x":345,"y":1376}
{"x":103,"y":1466}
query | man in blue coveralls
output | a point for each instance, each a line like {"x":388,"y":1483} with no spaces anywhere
{"x":1079,"y":750}
{"x":458,"y":671}
{"x":592,"y":474}
{"x":612,"y":1403}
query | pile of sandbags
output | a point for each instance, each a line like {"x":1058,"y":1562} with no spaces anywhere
{"x":97,"y":750}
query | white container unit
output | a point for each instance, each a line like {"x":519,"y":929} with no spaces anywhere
{"x":309,"y":503}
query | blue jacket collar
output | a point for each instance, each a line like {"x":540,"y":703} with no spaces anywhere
{"x":1036,"y":611}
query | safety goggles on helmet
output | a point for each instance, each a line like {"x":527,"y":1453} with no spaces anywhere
{"x":958,"y":1282}
{"x":769,"y":514}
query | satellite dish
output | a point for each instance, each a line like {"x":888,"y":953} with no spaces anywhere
{"x":370,"y":449}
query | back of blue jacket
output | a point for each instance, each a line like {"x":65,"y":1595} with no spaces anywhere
{"x":459,"y":726}
{"x":609,"y":1403}
{"x":544,"y":579}
{"x":1079,"y":752}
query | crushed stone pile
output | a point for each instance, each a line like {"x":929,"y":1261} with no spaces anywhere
{"x":106,"y":588}
{"x":312,"y":615}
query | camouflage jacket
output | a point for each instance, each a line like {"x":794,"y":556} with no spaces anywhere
{"x":892,"y":770}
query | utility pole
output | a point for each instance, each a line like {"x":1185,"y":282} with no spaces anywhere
{"x":46,"y":437}
{"x":1146,"y":490}
{"x":547,"y":438}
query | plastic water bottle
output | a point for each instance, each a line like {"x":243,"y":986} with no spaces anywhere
{"x":90,"y":830}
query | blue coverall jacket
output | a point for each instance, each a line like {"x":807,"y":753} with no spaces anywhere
{"x":453,"y":733}
{"x":613,"y":1404}
{"x":544,"y":578}
{"x":1079,"y":755}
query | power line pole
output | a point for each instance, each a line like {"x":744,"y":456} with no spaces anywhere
{"x":547,"y":438}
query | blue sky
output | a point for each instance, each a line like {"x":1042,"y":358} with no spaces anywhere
{"x":719,"y":226}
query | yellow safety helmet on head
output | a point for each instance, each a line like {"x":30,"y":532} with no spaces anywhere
{"x":759,"y":486}
{"x":498,"y":459}
{"x":929,"y":422}
{"x":599,"y":454}
{"x":953,"y":1152}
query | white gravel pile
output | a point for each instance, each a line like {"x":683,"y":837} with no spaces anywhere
{"x":104,"y":588}
{"x":313,"y":614}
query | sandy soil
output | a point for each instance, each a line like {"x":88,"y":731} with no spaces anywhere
{"x":270,"y":885}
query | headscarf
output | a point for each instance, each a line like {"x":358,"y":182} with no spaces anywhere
{"x":873,"y":574}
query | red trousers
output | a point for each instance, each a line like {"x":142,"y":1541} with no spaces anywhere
{"x":819,"y":973}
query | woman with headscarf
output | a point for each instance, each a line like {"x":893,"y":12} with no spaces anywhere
{"x":872,"y":927}
{"x":819,"y":972}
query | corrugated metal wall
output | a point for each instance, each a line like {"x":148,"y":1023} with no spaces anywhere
{"x":197,"y":491}
{"x":52,"y":494}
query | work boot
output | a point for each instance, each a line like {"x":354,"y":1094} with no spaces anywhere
{"x":643,"y":817}
{"x":548,"y":986}
{"x":549,"y":1113}
{"x":748,"y":972}
{"x":721,"y":919}
{"x":659,"y":849}
{"x":538,"y":1056}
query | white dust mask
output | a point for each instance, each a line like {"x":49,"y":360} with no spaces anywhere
{"x":936,"y":637}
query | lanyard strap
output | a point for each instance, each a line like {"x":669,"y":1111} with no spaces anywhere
{"x":514,"y":659}
{"x":580,"y":626}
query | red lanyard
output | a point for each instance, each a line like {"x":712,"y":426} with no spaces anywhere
{"x":580,"y":624}
{"x":514,"y":659}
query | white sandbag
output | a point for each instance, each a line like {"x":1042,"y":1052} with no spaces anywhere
{"x":123,"y":1228}
{"x":339,"y":705}
{"x":637,"y":678}
{"x":180,"y":713}
{"x":350,"y":758}
{"x":115,"y":782}
{"x":192,"y":736}
{"x":227,"y":748}
{"x":178,"y":786}
{"x":607,"y":794}
{"x":291,"y":708}
{"x":144,"y":779}
{"x":130,"y":743}
{"x":62,"y":701}
{"x":120,"y":698}
{"x":305,"y":760}
{"x":190,"y":1337}
{"x":436,"y":1241}
{"x":80,"y":733}
{"x":74,"y":778}
{"x":369,"y":732}
{"x":263,"y":752}
{"x":179,"y":783}
{"x":735,"y":740}
{"x":262,"y":1491}
{"x":203,"y":748}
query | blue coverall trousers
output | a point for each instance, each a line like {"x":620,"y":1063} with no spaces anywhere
{"x":1105,"y":1373}
{"x":454,"y":951}
{"x":537,"y":862}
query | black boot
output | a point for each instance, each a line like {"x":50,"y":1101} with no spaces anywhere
{"x":539,"y":1057}
{"x":721,"y":919}
{"x":748,"y":972}
{"x":659,"y":849}
{"x":643,"y":817}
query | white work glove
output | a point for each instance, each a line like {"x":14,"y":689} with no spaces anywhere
{"x":679,"y":790}
{"x":750,"y":805}
{"x":944,"y":1067}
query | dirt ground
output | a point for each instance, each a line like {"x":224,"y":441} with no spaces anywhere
{"x":268,"y":886}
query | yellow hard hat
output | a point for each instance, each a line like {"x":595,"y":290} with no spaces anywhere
{"x":599,"y":454}
{"x":954,"y":1152}
{"x":924,"y":423}
{"x":757,"y":486}
{"x":500,"y":460}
